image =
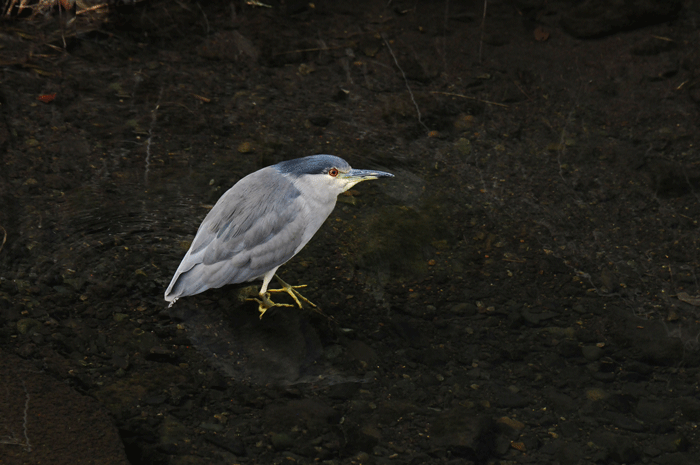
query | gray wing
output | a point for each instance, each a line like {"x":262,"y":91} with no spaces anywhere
{"x":255,"y":227}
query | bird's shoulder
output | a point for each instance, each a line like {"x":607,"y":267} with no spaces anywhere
{"x":253,"y":197}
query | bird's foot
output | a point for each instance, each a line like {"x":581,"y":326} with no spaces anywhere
{"x":265,"y":303}
{"x":292,"y":290}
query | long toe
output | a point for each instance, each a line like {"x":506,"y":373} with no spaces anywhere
{"x":265,"y":303}
{"x":292,"y":291}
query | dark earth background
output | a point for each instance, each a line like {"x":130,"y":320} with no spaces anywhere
{"x":525,"y":290}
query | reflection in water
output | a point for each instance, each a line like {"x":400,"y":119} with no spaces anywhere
{"x":283,"y":348}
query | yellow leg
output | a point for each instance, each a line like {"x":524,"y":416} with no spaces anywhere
{"x":265,"y":303}
{"x":292,"y":290}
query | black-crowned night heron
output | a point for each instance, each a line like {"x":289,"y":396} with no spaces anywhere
{"x":260,"y":223}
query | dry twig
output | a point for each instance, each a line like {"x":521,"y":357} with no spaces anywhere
{"x":4,"y":238}
{"x":410,"y":92}
{"x":470,"y":98}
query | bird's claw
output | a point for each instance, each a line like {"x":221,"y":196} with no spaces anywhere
{"x":265,"y":303}
{"x":292,"y":290}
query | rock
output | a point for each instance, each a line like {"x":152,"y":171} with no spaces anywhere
{"x":308,"y":413}
{"x":464,"y":432}
{"x":569,"y":349}
{"x":281,"y":441}
{"x":245,"y":147}
{"x":560,"y":402}
{"x":537,"y":318}
{"x":358,"y":350}
{"x":319,"y":120}
{"x":360,"y":438}
{"x":672,"y":443}
{"x":228,"y":46}
{"x":25,"y":325}
{"x":650,"y":411}
{"x":464,"y":309}
{"x":234,"y":445}
{"x":507,"y":399}
{"x":515,"y":424}
{"x":463,"y":147}
{"x":343,"y":390}
{"x":677,"y":458}
{"x":597,"y":18}
{"x":209,"y":426}
{"x":171,"y":431}
{"x":690,"y":407}
{"x":616,"y":447}
{"x":592,"y":353}
{"x":333,"y":351}
{"x":624,"y":422}
{"x":596,"y":394}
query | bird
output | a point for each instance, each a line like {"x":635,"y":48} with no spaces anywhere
{"x":260,"y":223}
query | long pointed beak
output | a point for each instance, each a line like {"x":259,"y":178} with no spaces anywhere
{"x":352,"y":177}
{"x":355,"y":176}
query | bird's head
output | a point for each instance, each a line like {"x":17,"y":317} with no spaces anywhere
{"x":325,"y":176}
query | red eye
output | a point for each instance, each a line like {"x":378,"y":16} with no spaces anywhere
{"x":333,"y":172}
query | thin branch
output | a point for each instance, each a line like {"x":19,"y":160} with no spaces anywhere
{"x":4,"y":238}
{"x":470,"y":98}
{"x":413,"y":99}
{"x":483,"y":25}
